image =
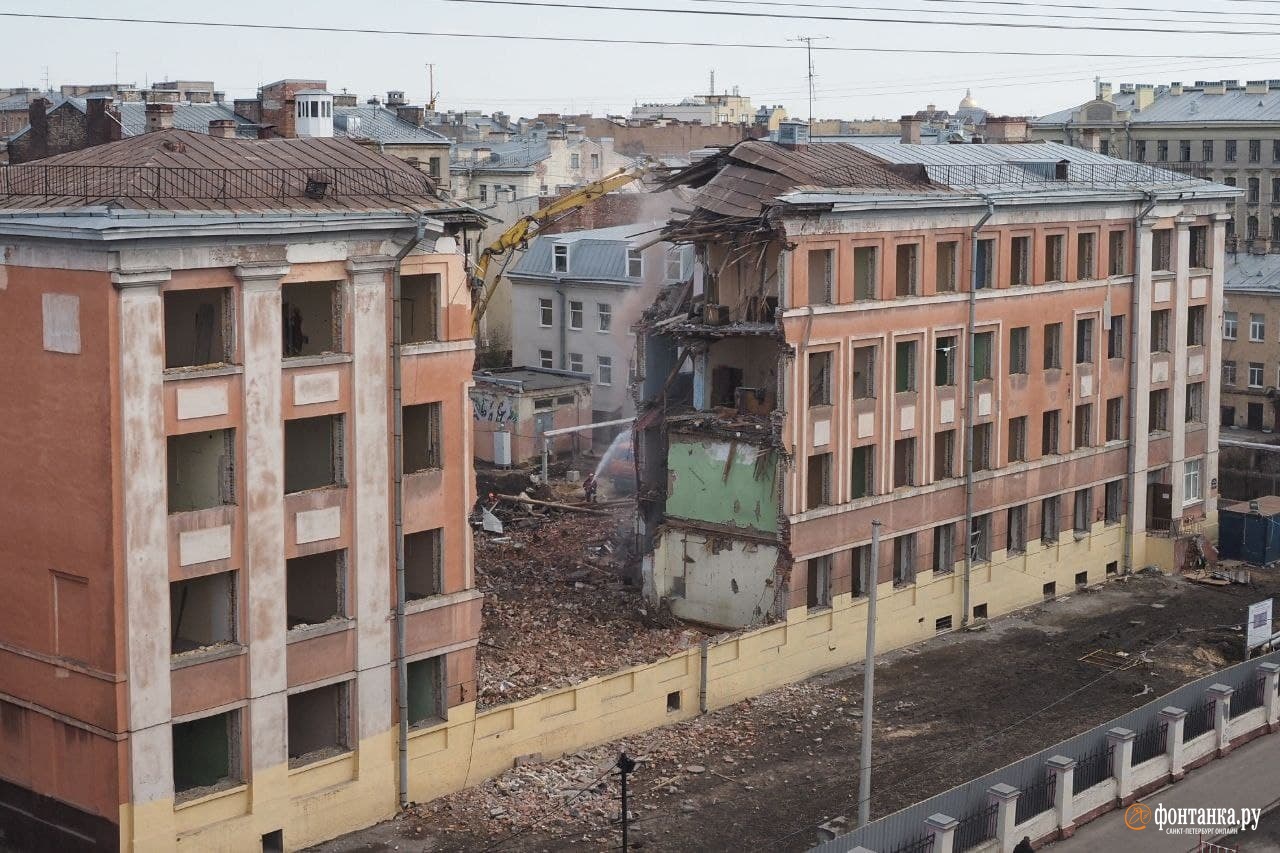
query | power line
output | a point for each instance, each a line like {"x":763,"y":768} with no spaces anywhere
{"x":864,"y":19}
{"x":1084,"y":7}
{"x":607,"y":41}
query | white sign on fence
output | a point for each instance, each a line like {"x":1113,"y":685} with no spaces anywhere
{"x":1259,"y":629}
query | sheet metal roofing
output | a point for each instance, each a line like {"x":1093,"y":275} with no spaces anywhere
{"x":177,"y":170}
{"x":186,"y":116}
{"x":522,"y":155}
{"x":1247,"y":273}
{"x":598,"y":254}
{"x":524,"y":379}
{"x":1193,"y":106}
{"x":380,"y":124}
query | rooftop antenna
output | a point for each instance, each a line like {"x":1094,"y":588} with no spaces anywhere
{"x":712,"y":91}
{"x":431,"y":86}
{"x":808,"y":42}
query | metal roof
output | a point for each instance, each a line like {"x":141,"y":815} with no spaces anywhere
{"x":520,"y":154}
{"x":382,"y":125}
{"x":1248,"y":273}
{"x":524,"y":379}
{"x":186,"y":116}
{"x":1193,"y":106}
{"x":595,"y":255}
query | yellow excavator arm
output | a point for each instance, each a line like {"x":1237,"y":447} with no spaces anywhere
{"x":528,"y":226}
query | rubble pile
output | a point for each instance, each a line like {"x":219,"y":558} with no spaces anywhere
{"x":556,"y":608}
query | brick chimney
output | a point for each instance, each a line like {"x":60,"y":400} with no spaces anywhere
{"x":159,"y":117}
{"x":1005,"y":129}
{"x":414,"y":115}
{"x":38,"y":135}
{"x":910,"y":129}
{"x":222,"y":128}
{"x":101,"y":124}
{"x":395,"y":99}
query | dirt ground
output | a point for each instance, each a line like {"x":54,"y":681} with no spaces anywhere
{"x":761,"y":775}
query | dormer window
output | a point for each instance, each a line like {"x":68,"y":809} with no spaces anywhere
{"x":635,"y":263}
{"x":560,"y":258}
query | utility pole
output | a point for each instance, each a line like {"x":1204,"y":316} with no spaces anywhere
{"x":808,"y":42}
{"x":869,"y":680}
{"x":431,"y":86}
{"x":626,"y":764}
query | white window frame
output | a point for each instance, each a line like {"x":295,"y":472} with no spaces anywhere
{"x":604,"y":317}
{"x":575,"y":362}
{"x":575,"y":314}
{"x":635,"y":263}
{"x":546,"y":313}
{"x":1257,"y":328}
{"x":547,"y":359}
{"x":604,"y":364}
{"x":1230,"y":325}
{"x":1192,"y":482}
{"x":1260,"y":369}
{"x":560,"y":257}
{"x":674,"y":256}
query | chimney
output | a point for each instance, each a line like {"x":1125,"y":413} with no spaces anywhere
{"x":395,"y":99}
{"x":159,"y":116}
{"x":1144,"y":96}
{"x":346,"y":100}
{"x":130,"y":96}
{"x":480,"y":154}
{"x":250,"y":108}
{"x":162,"y":96}
{"x":200,"y":96}
{"x":222,"y":128}
{"x":219,"y":97}
{"x":1255,"y":87}
{"x":414,"y":115}
{"x":910,"y":129}
{"x":100,"y":125}
{"x":1104,"y":91}
{"x":1175,"y":88}
{"x":38,"y":135}
{"x":1005,"y":129}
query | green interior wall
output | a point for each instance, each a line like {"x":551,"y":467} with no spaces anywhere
{"x":201,"y":752}
{"x":721,"y":482}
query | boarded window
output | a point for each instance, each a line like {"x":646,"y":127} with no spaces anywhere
{"x":61,"y":318}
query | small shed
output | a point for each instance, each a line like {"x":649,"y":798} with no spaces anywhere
{"x":1249,"y":531}
{"x":513,"y":406}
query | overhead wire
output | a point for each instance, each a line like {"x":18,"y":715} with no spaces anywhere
{"x":1015,"y":3}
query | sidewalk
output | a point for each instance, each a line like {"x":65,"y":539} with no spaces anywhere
{"x":1247,"y":778}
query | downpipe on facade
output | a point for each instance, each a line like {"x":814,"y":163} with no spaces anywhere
{"x":968,"y":407}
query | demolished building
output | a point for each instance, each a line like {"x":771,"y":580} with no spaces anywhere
{"x":856,"y":312}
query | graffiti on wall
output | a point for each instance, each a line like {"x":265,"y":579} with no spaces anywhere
{"x":498,"y":410}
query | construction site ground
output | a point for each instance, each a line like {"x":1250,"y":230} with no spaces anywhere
{"x":763,"y":774}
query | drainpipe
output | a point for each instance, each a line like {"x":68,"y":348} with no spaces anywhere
{"x":1134,"y":338}
{"x":564,"y":326}
{"x":969,"y":405}
{"x":397,"y":478}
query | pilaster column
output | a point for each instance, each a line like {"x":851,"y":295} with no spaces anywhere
{"x":1005,"y":798}
{"x":1221,"y":694}
{"x":1121,"y":743}
{"x":146,"y":547}
{"x":943,"y":829}
{"x":1140,"y":393}
{"x":1270,"y":674}
{"x":1179,"y":297}
{"x":1213,"y":360}
{"x":1175,"y":720}
{"x":1064,"y":769}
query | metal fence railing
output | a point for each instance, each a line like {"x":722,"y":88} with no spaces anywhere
{"x":922,"y":844}
{"x":1093,"y":768}
{"x":1150,"y":743}
{"x":1199,"y":720}
{"x":1247,"y":697}
{"x":1036,"y":799}
{"x":976,"y":828}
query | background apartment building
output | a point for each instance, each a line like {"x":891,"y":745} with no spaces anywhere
{"x":834,"y":348}
{"x":202,"y":633}
{"x":1219,"y":130}
{"x":1250,"y":352}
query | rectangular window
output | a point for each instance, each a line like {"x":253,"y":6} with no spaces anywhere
{"x":1162,"y":151}
{"x":595,"y":161}
{"x":1086,"y":257}
{"x":319,"y":723}
{"x":1018,"y":338}
{"x":1140,"y":150}
{"x":422,"y":439}
{"x":1016,"y":531}
{"x":1115,"y":419}
{"x":1116,"y":264}
{"x":904,"y":560}
{"x":980,"y":539}
{"x":1084,"y":425}
{"x":1112,"y":496}
{"x":944,"y":454}
{"x":484,"y":192}
{"x":819,"y":582}
{"x":1084,"y":340}
{"x":674,"y":265}
{"x":420,"y":308}
{"x":982,"y":447}
{"x":202,"y":612}
{"x":198,"y":327}
{"x":982,"y":346}
{"x":947,"y":266}
{"x":560,"y":258}
{"x":863,"y":572}
{"x":1049,"y":519}
{"x":1254,"y":190}
{"x":1160,"y":330}
{"x":575,"y":161}
{"x":985,"y":272}
{"x":821,"y":276}
{"x":1199,"y":247}
{"x":1257,"y":328}
{"x":315,"y":589}
{"x":1255,"y":150}
{"x":819,"y":480}
{"x":1231,"y":151}
{"x":904,"y":462}
{"x":604,"y":317}
{"x":862,"y":473}
{"x":1020,"y":260}
{"x":546,"y":314}
{"x":206,"y":754}
{"x":575,"y":314}
{"x":1018,"y":439}
{"x":1082,"y":511}
{"x":1228,"y":373}
{"x":1230,"y":325}
{"x":1206,"y":150}
{"x":575,"y":362}
{"x":944,"y":544}
{"x":426,"y":691}
{"x":946,"y":354}
{"x":865,"y":273}
{"x":546,"y":359}
{"x":201,"y":470}
{"x":819,"y":378}
{"x":904,"y":366}
{"x":864,"y":372}
{"x":423,"y":564}
{"x":1191,"y":481}
{"x":1184,"y":151}
{"x":313,"y":453}
{"x":1115,"y":337}
{"x":312,"y":314}
{"x":1055,"y":260}
{"x":908,"y":269}
{"x":604,"y":368}
{"x":433,"y":167}
{"x":1162,"y":250}
{"x":1195,"y":326}
{"x":1158,"y":410}
{"x":1053,"y":346}
{"x":1255,"y":374}
{"x":1049,"y":433}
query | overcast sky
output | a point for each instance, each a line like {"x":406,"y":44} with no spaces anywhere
{"x":524,"y":78}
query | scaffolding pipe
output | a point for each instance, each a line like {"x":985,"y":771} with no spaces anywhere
{"x":968,"y":408}
{"x":1135,"y":337}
